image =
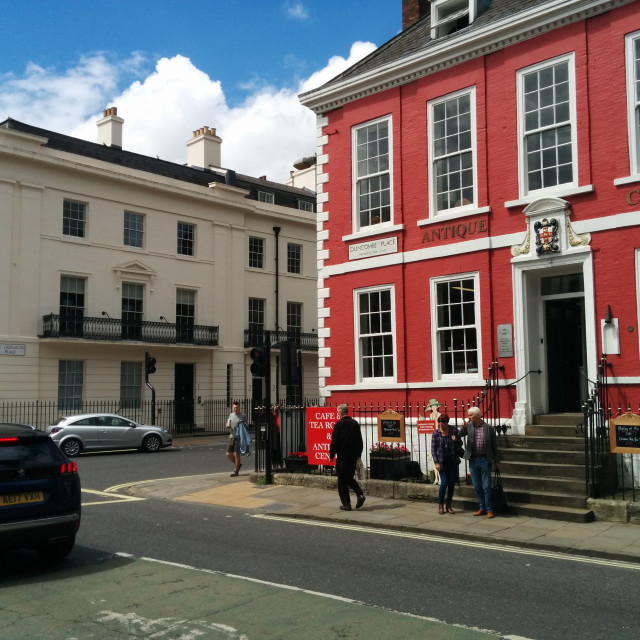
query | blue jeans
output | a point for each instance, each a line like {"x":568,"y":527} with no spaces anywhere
{"x":448,"y":477}
{"x":480,"y":470}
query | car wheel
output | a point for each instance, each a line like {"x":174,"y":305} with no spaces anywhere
{"x":151,"y":444}
{"x":71,"y":447}
{"x":56,"y":551}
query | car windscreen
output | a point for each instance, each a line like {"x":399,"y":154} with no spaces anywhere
{"x":29,"y":453}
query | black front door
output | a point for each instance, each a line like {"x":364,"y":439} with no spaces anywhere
{"x":183,"y":397}
{"x":564,"y":324}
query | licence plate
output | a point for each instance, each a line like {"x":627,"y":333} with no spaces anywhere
{"x":12,"y":499}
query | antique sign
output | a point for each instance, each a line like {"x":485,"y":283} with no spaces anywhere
{"x":457,"y":230}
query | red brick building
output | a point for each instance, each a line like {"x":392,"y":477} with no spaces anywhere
{"x":479,"y":202}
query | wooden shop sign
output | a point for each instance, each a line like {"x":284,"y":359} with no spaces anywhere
{"x":624,"y":433}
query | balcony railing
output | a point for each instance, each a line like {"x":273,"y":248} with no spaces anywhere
{"x":56,"y":326}
{"x":306,"y":341}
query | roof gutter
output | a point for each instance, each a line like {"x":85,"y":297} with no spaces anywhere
{"x":478,"y":42}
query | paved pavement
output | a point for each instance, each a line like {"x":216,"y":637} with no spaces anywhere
{"x":610,"y":540}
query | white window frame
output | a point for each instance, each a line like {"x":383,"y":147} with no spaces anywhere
{"x":445,"y":12}
{"x":70,"y":385}
{"x":265,"y":196}
{"x":433,"y":195}
{"x":294,"y":247}
{"x":256,"y":241}
{"x":435,"y":333}
{"x":131,"y":384}
{"x":76,"y":220}
{"x":633,"y":102}
{"x":356,"y":179}
{"x":360,"y":377}
{"x":305,"y":205}
{"x":183,"y":242}
{"x":569,"y":59}
{"x":131,"y":231}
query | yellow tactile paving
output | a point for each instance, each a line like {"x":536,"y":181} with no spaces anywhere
{"x":240,"y":495}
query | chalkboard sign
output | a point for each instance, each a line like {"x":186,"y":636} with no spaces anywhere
{"x":390,"y":426}
{"x":624,"y":433}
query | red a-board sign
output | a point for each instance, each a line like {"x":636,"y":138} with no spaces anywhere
{"x":320,"y":421}
{"x":426,"y":426}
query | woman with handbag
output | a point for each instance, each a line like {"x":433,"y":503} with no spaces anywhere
{"x":445,"y":450}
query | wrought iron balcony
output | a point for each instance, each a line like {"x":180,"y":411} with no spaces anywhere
{"x":306,"y":341}
{"x":57,"y":326}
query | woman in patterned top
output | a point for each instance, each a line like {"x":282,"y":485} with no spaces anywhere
{"x":445,"y":456}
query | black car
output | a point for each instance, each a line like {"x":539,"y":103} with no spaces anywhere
{"x":39,"y":493}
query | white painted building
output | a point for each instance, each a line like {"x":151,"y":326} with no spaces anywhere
{"x":106,"y":254}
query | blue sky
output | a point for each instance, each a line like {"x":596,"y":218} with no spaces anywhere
{"x":173,"y":66}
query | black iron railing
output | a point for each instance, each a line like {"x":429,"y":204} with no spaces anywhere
{"x":607,"y":474}
{"x":58,"y":326}
{"x":306,"y":341}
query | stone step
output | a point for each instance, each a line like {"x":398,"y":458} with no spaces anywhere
{"x":523,"y":496}
{"x":553,"y":431}
{"x":531,"y":510}
{"x":558,"y":443}
{"x":537,"y":484}
{"x":542,"y":455}
{"x":543,"y":468}
{"x":559,"y":419}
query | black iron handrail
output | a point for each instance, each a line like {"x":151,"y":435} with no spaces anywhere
{"x":596,"y":413}
{"x":58,"y":326}
{"x":305,"y":341}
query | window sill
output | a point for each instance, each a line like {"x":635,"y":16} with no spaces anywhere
{"x":377,"y":382}
{"x":549,"y":193}
{"x":379,"y":230}
{"x":628,"y":180}
{"x":447,"y":217}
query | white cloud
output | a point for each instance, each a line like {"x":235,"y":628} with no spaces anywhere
{"x":297,"y":11}
{"x":336,"y":65}
{"x":262,"y":136}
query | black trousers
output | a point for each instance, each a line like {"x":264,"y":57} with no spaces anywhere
{"x":346,"y":469}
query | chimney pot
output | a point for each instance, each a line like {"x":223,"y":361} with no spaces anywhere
{"x":203,"y":150}
{"x":110,"y":128}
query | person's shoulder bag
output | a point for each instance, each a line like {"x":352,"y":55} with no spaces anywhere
{"x":500,"y":504}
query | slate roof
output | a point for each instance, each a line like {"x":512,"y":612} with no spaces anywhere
{"x":416,"y":42}
{"x":283,"y":194}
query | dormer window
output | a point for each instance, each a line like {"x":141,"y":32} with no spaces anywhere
{"x":448,"y":16}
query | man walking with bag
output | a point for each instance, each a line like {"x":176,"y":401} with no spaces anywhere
{"x":346,"y":444}
{"x":483,"y":456}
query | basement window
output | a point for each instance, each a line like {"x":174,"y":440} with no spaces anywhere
{"x":449,"y":16}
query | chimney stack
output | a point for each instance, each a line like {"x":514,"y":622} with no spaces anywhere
{"x":413,"y":10}
{"x":110,"y":128}
{"x":204,"y":149}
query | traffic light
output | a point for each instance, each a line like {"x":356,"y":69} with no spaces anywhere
{"x":259,"y":361}
{"x":289,"y":369}
{"x":149,"y":364}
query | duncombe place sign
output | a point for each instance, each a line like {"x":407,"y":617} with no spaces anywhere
{"x":373,"y":248}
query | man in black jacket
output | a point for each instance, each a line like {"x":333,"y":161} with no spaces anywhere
{"x":346,"y":444}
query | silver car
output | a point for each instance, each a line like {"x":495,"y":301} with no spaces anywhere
{"x":94,"y":431}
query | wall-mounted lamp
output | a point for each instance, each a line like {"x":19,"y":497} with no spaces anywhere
{"x":608,"y":316}
{"x":104,"y":313}
{"x":163,"y":318}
